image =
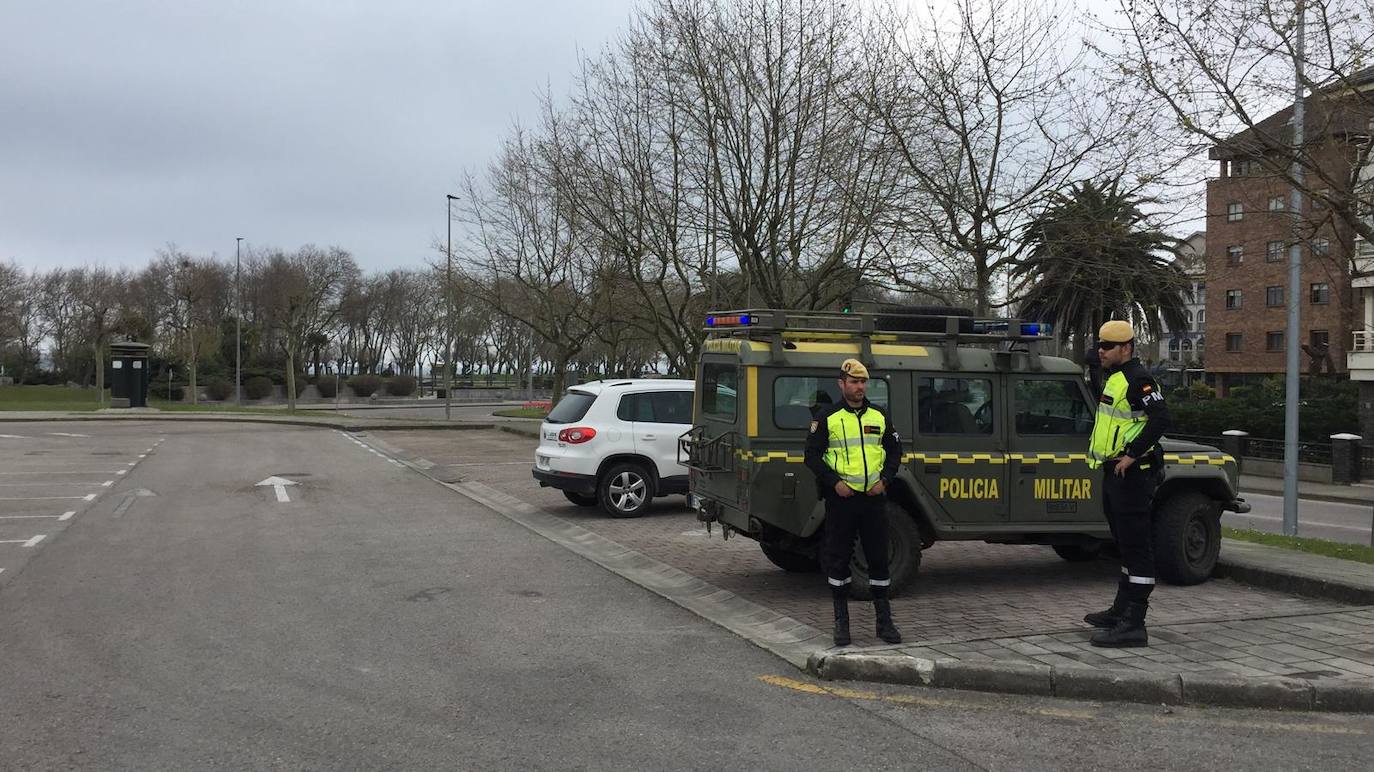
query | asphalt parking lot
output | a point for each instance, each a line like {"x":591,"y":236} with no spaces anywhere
{"x":48,"y":478}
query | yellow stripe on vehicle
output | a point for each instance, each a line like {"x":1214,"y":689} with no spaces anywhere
{"x":751,"y":396}
{"x":1193,"y":459}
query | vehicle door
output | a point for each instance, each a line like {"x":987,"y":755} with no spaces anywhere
{"x":656,"y":420}
{"x":958,"y":453}
{"x":1052,"y":420}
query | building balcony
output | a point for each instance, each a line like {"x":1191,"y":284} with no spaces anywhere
{"x":1364,"y":265}
{"x":1360,"y":359}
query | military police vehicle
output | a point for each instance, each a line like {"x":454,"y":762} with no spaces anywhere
{"x":994,"y":441}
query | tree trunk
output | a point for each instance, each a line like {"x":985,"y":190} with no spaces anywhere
{"x":290,"y":379}
{"x":99,"y":373}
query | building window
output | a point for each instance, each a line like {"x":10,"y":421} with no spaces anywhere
{"x":1321,"y":293}
{"x":1244,"y":167}
{"x":1190,"y":319}
{"x":1235,"y":254}
{"x":1321,"y":247}
{"x":1201,"y":321}
{"x":1273,"y":252}
{"x":1199,"y":347}
{"x":1273,"y":341}
{"x":1233,"y":342}
{"x":1235,"y":211}
{"x":1273,"y":296}
{"x":1276,"y":204}
{"x":1233,"y":298}
{"x":1173,"y":349}
{"x":1319,"y":338}
{"x":1187,"y":349}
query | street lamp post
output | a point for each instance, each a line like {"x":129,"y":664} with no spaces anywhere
{"x":238,"y":328}
{"x":448,"y":310}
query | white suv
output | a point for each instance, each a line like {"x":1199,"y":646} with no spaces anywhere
{"x":614,"y":443}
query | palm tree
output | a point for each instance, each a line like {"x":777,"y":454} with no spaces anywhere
{"x":1093,"y":257}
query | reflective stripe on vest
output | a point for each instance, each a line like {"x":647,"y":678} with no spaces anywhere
{"x":1116,"y":424}
{"x":856,"y":456}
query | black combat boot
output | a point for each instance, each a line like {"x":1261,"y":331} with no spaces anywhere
{"x":1109,"y":618}
{"x":1129,"y":632}
{"x":841,"y":596}
{"x":882,"y":607}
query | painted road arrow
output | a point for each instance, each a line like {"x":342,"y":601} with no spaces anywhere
{"x":279,"y":485}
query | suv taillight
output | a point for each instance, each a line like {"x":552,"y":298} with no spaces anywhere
{"x":576,"y":435}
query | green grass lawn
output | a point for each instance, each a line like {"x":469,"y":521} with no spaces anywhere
{"x":522,"y":412}
{"x":62,"y":398}
{"x":1331,"y":549}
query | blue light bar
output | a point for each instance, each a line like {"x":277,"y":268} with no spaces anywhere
{"x":1037,"y":328}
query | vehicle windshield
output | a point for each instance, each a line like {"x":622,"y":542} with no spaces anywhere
{"x":571,"y":407}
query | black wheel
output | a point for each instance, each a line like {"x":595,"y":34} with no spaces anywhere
{"x":625,"y":490}
{"x":1187,"y":538}
{"x":581,"y":499}
{"x":903,"y":555}
{"x":793,"y":562}
{"x":1079,"y":553}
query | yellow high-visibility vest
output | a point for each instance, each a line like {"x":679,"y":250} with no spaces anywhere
{"x":855,"y":448}
{"x":1116,"y":423}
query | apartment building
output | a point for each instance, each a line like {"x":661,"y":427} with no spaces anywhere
{"x":1249,"y":236}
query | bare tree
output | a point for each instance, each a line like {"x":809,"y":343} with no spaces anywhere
{"x":194,"y":295}
{"x":1224,"y":73}
{"x":530,"y":261}
{"x":97,"y":293}
{"x":302,"y":296}
{"x":991,"y":106}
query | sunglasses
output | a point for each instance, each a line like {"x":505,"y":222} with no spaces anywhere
{"x":1106,"y":345}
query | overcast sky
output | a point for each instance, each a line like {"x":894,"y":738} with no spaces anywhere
{"x":127,"y":124}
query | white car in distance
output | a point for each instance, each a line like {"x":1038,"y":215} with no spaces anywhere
{"x":614,"y":443}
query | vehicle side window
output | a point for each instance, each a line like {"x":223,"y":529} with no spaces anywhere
{"x":635,"y":407}
{"x":954,"y":405}
{"x":719,"y":387}
{"x":797,"y":397}
{"x":671,"y":407}
{"x":1051,"y":407}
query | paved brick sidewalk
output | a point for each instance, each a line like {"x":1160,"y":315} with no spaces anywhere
{"x":973,"y":602}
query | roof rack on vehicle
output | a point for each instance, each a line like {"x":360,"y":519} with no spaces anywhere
{"x":949,"y":330}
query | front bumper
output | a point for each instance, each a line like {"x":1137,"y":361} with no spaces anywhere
{"x":566,"y":481}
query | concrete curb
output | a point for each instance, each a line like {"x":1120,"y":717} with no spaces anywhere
{"x":1285,"y":570}
{"x":1083,"y":683}
{"x":322,"y":422}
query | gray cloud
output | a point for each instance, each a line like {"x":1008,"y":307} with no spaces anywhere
{"x":125,"y":125}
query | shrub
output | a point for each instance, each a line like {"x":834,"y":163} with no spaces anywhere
{"x":159,"y":390}
{"x":219,"y":389}
{"x":365,"y":385}
{"x":257,"y":387}
{"x":327,"y":386}
{"x":401,"y":385}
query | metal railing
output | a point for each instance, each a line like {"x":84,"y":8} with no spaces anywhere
{"x":1272,"y":450}
{"x":1362,"y":340}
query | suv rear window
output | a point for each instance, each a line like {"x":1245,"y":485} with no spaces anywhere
{"x":571,"y":407}
{"x":664,"y":407}
{"x":719,"y":382}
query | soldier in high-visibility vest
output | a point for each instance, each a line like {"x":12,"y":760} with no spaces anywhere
{"x":1131,"y":418}
{"x":854,"y":454}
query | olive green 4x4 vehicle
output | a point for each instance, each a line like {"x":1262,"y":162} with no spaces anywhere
{"x":994,"y":441}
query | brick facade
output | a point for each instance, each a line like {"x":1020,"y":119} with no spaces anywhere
{"x":1251,"y":271}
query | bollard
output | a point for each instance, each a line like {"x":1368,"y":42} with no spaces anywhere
{"x":1237,"y":443}
{"x":1345,"y":458}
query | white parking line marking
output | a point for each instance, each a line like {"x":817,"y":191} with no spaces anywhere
{"x":87,"y":497}
{"x":107,"y":483}
{"x":35,"y":540}
{"x":66,"y":434}
{"x":42,"y":473}
{"x":25,"y":542}
{"x":66,"y":515}
{"x":49,"y":482}
{"x":28,"y":517}
{"x":14,"y":436}
{"x":122,"y":471}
